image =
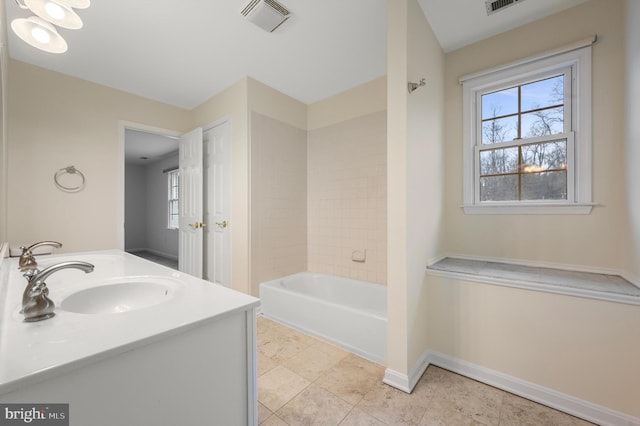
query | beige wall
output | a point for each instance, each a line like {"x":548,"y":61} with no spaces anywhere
{"x":83,"y":130}
{"x":347,"y":198}
{"x":278,"y":200}
{"x":4,"y":63}
{"x":585,"y":348}
{"x":269,"y":102}
{"x":353,"y":103}
{"x":347,"y":182}
{"x":593,"y":240}
{"x":415,"y":177}
{"x":632,"y":151}
{"x":425,"y":159}
{"x":345,"y":148}
{"x":278,"y":140}
{"x":397,"y":229}
{"x":58,"y":121}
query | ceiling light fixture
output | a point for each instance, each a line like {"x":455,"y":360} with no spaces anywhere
{"x":40,"y":34}
{"x":39,"y":31}
{"x":76,"y":4}
{"x":55,"y":12}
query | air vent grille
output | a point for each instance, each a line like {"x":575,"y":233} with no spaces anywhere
{"x":267,"y":14}
{"x":248,"y":8}
{"x":494,"y":6}
{"x":277,"y":6}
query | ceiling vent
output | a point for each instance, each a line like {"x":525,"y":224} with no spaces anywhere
{"x":267,"y":14}
{"x":494,"y":6}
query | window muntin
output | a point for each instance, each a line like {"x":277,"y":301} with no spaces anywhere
{"x":535,"y":171}
{"x":173,"y":181}
{"x":510,"y":167}
{"x":511,"y":126}
{"x":528,"y":110}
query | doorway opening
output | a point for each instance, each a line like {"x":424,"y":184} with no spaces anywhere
{"x":150,"y":226}
{"x":150,"y":191}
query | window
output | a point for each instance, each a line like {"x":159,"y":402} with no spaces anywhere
{"x":174,"y":192}
{"x":528,"y":135}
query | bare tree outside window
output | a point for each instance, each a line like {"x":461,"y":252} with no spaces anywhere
{"x":527,"y":135}
{"x":524,"y":171}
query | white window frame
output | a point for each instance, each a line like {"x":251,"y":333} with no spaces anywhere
{"x":574,"y":59}
{"x":170,"y":176}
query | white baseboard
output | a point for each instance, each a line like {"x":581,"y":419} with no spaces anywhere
{"x":402,"y":381}
{"x":159,"y":253}
{"x":152,"y":251}
{"x":398,"y":380}
{"x":546,"y":396}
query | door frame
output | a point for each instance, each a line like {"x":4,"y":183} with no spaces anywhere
{"x":120,"y":197}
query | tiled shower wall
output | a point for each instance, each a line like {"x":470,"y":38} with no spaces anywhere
{"x":347,"y":198}
{"x":278,"y":200}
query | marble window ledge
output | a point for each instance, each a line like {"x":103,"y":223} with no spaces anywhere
{"x":608,"y":287}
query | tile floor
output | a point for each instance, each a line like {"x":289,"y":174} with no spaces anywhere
{"x":305,"y":381}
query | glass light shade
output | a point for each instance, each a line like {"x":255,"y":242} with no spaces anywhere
{"x":76,"y":4}
{"x":55,"y":12}
{"x":40,"y":34}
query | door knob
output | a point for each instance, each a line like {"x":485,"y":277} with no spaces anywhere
{"x":222,"y":224}
{"x":197,"y":225}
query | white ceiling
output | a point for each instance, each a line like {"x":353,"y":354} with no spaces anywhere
{"x":457,"y":23}
{"x":182,"y":52}
{"x":142,"y":148}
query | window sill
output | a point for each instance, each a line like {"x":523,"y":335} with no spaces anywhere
{"x":549,"y":208}
{"x":600,"y":286}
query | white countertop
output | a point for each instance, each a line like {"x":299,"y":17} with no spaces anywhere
{"x":31,"y":352}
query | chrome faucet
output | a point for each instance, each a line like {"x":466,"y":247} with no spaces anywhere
{"x":27,"y":262}
{"x":36,"y":305}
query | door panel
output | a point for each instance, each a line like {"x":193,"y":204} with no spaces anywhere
{"x":190,"y":220}
{"x":217,"y":143}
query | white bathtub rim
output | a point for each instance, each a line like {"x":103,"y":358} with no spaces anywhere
{"x":374,"y":313}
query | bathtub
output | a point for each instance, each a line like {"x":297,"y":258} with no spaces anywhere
{"x":350,"y":313}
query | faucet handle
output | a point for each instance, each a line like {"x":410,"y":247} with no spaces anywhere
{"x":27,"y":261}
{"x":43,"y":243}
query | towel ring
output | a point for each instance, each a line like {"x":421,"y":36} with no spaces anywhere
{"x":72,"y":171}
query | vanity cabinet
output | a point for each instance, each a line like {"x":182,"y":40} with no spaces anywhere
{"x":202,"y":376}
{"x":188,"y":361}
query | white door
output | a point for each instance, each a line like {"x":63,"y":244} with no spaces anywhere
{"x":190,"y":204}
{"x":217,"y":171}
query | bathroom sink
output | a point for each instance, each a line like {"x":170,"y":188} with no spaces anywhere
{"x":120,"y":296}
